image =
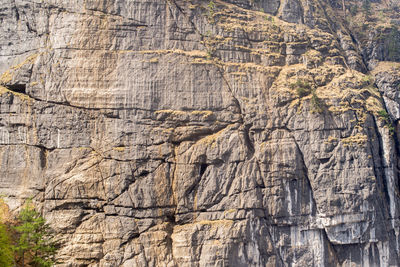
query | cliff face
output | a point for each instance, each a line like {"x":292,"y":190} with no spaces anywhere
{"x":205,"y":133}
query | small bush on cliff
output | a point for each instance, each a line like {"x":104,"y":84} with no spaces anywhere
{"x":303,"y":88}
{"x":211,"y":11}
{"x":386,"y":118}
{"x":317,"y":103}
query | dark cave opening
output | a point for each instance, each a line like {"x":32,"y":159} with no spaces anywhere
{"x":18,"y":88}
{"x":203,"y":168}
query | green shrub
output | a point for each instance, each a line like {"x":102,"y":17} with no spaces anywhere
{"x":211,"y":11}
{"x":386,"y":118}
{"x":6,"y":251}
{"x":369,"y":79}
{"x":316,"y":103}
{"x":211,"y":6}
{"x":303,"y":88}
{"x":383,"y":114}
{"x":269,"y":18}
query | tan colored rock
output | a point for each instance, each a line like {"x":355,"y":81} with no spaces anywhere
{"x":202,"y":133}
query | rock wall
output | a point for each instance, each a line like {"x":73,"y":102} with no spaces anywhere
{"x":204,"y":133}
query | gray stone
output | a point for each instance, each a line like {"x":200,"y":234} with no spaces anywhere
{"x":184,"y":133}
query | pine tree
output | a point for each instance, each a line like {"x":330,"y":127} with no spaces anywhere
{"x":35,"y":245}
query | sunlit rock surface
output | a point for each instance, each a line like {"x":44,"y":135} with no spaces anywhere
{"x":205,"y":133}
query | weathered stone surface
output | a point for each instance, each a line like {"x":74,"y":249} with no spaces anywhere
{"x":203,"y":133}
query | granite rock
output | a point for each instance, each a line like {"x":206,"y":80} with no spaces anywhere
{"x":202,"y":133}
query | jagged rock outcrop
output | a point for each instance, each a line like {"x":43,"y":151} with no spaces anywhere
{"x":204,"y":133}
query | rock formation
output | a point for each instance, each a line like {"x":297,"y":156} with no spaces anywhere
{"x":205,"y":133}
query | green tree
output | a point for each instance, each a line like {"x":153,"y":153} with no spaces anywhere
{"x":35,"y":245}
{"x":6,"y":252}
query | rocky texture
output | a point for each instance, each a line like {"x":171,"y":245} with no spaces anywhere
{"x":198,"y":133}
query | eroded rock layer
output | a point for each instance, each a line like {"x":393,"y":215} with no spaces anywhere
{"x":205,"y":133}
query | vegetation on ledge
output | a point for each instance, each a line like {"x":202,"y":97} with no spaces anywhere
{"x":26,"y":240}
